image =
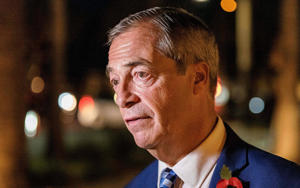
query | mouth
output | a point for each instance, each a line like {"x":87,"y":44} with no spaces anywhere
{"x":136,"y":119}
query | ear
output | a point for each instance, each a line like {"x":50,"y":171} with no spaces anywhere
{"x":201,"y":77}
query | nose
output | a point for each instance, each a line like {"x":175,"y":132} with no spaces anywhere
{"x":125,"y":96}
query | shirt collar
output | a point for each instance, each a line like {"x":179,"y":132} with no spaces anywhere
{"x":194,"y":168}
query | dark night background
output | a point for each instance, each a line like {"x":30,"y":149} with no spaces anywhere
{"x":89,"y":146}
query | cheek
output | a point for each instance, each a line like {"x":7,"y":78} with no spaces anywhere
{"x":162,"y":98}
{"x":158,"y":100}
{"x":170,"y":101}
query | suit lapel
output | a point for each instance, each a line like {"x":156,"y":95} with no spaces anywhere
{"x":152,"y":179}
{"x":147,"y":178}
{"x":151,"y":174}
{"x":234,"y":155}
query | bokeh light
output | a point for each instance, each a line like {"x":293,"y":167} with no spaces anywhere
{"x":228,"y":5}
{"x":87,"y":113}
{"x":201,"y":1}
{"x":37,"y":84}
{"x":31,"y":123}
{"x":256,"y":105}
{"x":222,"y":94}
{"x":86,"y":101}
{"x":223,"y":97}
{"x":67,"y":101}
{"x":115,"y":98}
{"x":218,"y":89}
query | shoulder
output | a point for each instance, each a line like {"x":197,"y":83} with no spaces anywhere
{"x":258,"y":167}
{"x":147,"y":178}
{"x":271,"y":168}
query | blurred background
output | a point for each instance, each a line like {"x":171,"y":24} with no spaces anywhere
{"x":59,"y":126}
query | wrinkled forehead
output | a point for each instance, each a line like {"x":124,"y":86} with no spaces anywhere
{"x":134,"y":45}
{"x":136,"y":41}
{"x":141,"y":34}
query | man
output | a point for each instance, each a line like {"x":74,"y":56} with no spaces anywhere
{"x":163,"y":66}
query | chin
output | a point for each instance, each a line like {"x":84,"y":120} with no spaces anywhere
{"x":144,"y":143}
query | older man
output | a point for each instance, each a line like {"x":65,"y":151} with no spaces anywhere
{"x":163,"y":66}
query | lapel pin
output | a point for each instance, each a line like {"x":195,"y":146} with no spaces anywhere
{"x":227,"y":181}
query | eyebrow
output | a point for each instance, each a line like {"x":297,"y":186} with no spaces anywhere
{"x":129,"y":64}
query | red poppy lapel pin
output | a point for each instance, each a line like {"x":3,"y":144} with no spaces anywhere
{"x":227,"y":181}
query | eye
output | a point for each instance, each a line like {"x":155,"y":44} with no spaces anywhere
{"x":143,"y":78}
{"x":114,"y":82}
{"x":142,"y":75}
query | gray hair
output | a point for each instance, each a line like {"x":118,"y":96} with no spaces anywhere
{"x":181,"y":36}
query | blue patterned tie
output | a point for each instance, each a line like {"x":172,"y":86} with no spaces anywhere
{"x":167,"y":178}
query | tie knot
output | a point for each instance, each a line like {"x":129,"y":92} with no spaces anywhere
{"x":167,"y":178}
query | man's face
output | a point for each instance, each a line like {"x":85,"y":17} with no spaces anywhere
{"x":153,"y":98}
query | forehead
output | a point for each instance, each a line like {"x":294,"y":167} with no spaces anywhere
{"x":135,"y":43}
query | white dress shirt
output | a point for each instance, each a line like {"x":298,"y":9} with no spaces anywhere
{"x":195,"y":170}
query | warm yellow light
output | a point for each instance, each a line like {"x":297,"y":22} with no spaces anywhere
{"x":37,"y":84}
{"x":222,"y":94}
{"x":228,"y":5}
{"x":218,"y":89}
{"x":115,"y":98}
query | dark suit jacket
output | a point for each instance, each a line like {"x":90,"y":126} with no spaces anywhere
{"x":254,"y":167}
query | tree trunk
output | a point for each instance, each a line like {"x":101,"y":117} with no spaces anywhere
{"x":12,"y":79}
{"x":57,"y":81}
{"x":284,"y":60}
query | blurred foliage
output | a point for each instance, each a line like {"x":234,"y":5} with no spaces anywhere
{"x":89,"y":156}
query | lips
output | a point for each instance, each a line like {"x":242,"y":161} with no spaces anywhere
{"x":136,"y":119}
